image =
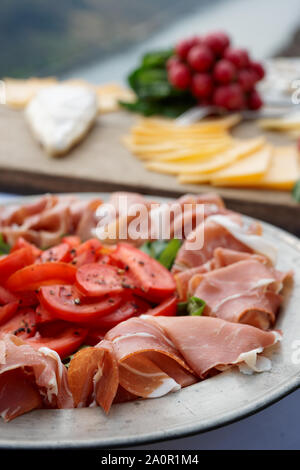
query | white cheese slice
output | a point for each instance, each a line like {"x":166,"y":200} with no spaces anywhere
{"x":60,"y":116}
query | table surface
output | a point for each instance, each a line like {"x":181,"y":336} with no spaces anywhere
{"x":276,"y":427}
{"x":102,"y":163}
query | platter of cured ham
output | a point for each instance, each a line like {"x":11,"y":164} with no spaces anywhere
{"x":118,"y":342}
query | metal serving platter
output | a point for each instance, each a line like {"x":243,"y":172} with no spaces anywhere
{"x":206,"y":405}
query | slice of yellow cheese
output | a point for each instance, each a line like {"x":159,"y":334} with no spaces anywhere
{"x":192,"y":154}
{"x":286,"y":123}
{"x":142,"y":140}
{"x":282,"y":172}
{"x":250,"y":167}
{"x":169,"y":145}
{"x":218,"y":123}
{"x":221,"y":160}
{"x":207,"y":127}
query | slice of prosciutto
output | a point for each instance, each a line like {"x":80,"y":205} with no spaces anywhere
{"x":208,"y":343}
{"x":93,"y":376}
{"x":143,"y":363}
{"x":152,"y":356}
{"x":47,"y":219}
{"x":146,"y":355}
{"x":222,"y":257}
{"x":226,"y":231}
{"x":30,"y":378}
{"x":154,"y":220}
{"x":246,"y":291}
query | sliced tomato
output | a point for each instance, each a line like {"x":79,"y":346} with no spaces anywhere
{"x":6,"y":296}
{"x":7,"y":311}
{"x":167,"y":308}
{"x":64,"y":340}
{"x":72,"y":240}
{"x":42,"y":315}
{"x":67,"y":303}
{"x":155,"y":281}
{"x":87,"y":252}
{"x":104,"y":259}
{"x":14,"y":261}
{"x":33,"y":276}
{"x":57,"y":253}
{"x":94,"y":336}
{"x":22,"y":324}
{"x":129,"y":308}
{"x":27,"y":298}
{"x":21,"y":243}
{"x":97,"y":279}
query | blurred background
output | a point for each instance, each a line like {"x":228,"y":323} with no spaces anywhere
{"x":101,"y":40}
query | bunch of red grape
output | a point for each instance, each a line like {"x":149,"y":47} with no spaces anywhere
{"x":215,"y":73}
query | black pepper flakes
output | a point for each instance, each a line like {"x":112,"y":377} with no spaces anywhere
{"x":126,"y":286}
{"x":19,"y":330}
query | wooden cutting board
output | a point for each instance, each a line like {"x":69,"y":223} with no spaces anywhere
{"x":102,"y":163}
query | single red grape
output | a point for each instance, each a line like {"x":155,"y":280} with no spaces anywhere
{"x":239,"y":57}
{"x":202,"y":85}
{"x":174,"y":60}
{"x":183,"y":47}
{"x":254,"y":100}
{"x":224,"y":71}
{"x":229,"y":96}
{"x":217,"y":42}
{"x":247,"y":79}
{"x":200,"y":58}
{"x":258,"y":69}
{"x":179,"y":76}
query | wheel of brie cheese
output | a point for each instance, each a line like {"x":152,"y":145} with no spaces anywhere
{"x":60,"y":116}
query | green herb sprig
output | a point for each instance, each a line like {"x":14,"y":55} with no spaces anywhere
{"x":155,"y":94}
{"x":193,"y":306}
{"x":164,"y":251}
{"x":4,"y":247}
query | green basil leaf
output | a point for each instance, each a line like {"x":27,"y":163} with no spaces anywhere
{"x":170,"y":107}
{"x":168,"y":255}
{"x":296,"y":191}
{"x":164,"y":251}
{"x":193,"y":306}
{"x":182,"y":308}
{"x":4,"y":247}
{"x":155,"y":95}
{"x":146,"y":248}
{"x":154,"y":248}
{"x":150,"y":83}
{"x":157,"y":58}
